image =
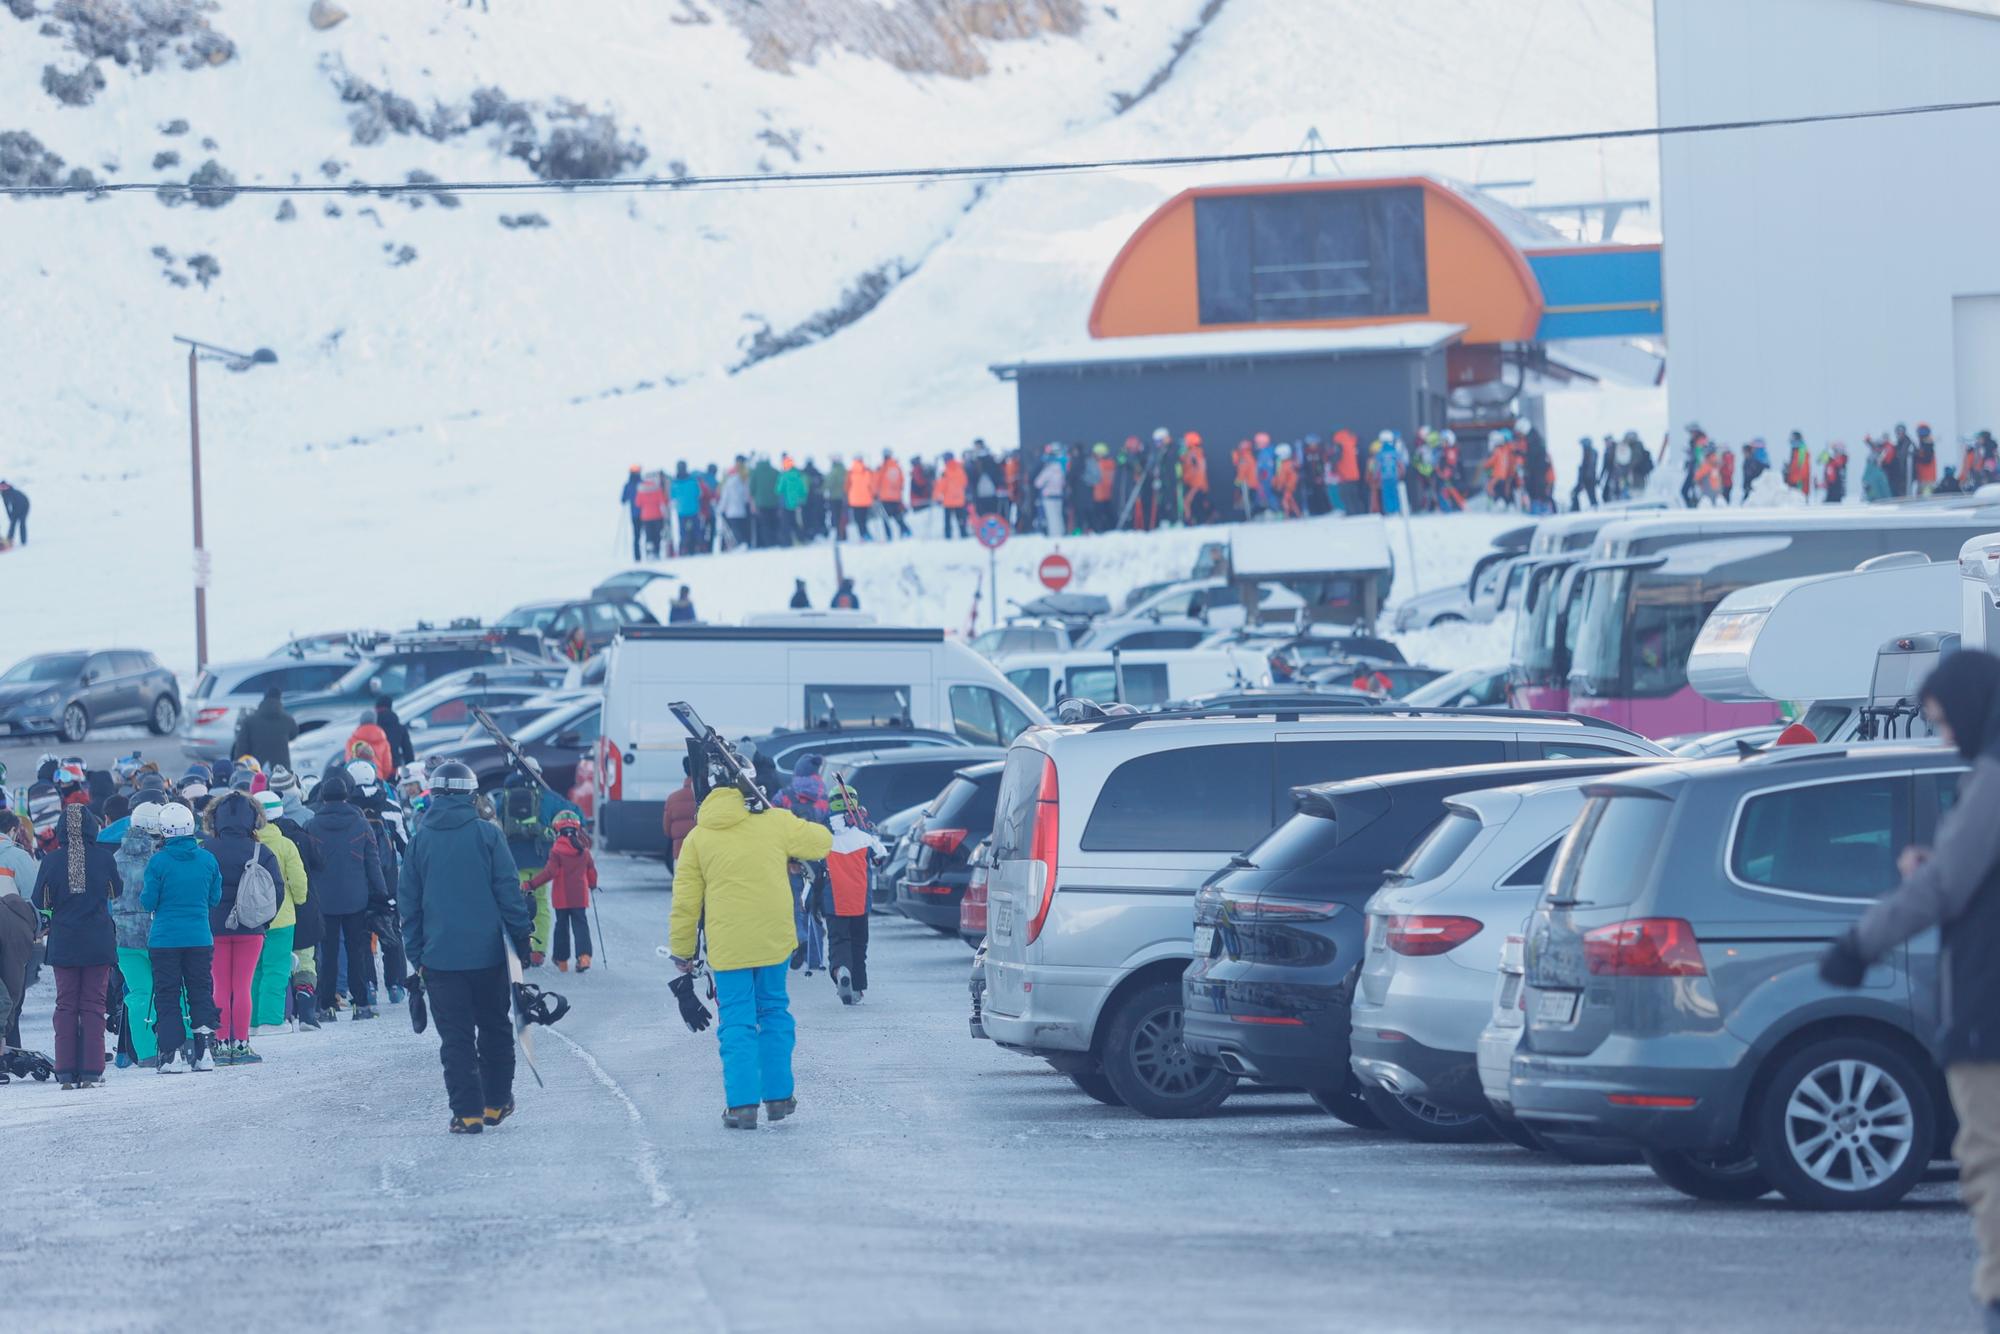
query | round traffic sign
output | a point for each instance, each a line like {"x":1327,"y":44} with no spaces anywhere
{"x":1055,"y":572}
{"x":993,"y":531}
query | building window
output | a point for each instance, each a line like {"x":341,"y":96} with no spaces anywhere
{"x":1311,"y":255}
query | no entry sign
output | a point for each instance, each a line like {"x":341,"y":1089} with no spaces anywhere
{"x":1055,"y":572}
{"x":993,"y":531}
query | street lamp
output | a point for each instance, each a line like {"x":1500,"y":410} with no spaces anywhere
{"x":235,"y":361}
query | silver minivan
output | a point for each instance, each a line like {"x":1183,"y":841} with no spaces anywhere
{"x":1104,"y":831}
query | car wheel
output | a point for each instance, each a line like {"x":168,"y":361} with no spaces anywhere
{"x":75,"y":724}
{"x":1425,"y":1122}
{"x":1845,"y":1124}
{"x":165,"y":714}
{"x":1345,"y":1104}
{"x":1728,"y":1176}
{"x":1097,"y":1086}
{"x":1148,"y":1064}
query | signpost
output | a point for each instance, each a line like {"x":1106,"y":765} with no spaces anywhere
{"x":993,"y":532}
{"x":1055,"y":572}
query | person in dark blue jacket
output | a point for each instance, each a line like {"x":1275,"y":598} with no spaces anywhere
{"x":350,"y":877}
{"x":75,"y":888}
{"x":462,"y":911}
{"x":628,"y":496}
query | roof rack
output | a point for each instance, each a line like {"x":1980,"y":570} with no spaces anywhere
{"x":1125,"y":722}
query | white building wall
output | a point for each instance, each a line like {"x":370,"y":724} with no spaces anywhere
{"x":1811,"y":271}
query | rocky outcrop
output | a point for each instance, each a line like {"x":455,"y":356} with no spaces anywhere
{"x":921,"y":36}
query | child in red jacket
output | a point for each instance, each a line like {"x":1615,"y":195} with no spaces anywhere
{"x":572,"y":874}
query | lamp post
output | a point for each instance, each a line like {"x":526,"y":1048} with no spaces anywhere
{"x":235,"y":361}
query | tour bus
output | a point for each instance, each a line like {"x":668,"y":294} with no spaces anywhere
{"x":1538,"y":668}
{"x":1650,"y":583}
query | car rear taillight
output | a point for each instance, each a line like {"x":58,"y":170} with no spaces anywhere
{"x":209,"y":716}
{"x":1277,"y":910}
{"x":943,"y":840}
{"x":1644,"y":947}
{"x":1042,"y":844}
{"x":1421,"y":937}
{"x":972,"y":908}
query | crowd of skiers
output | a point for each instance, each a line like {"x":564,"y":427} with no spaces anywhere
{"x":1894,"y":464}
{"x":184,"y":916}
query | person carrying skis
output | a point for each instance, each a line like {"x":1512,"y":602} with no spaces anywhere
{"x":854,"y":846}
{"x":731,"y":881}
{"x":528,"y":809}
{"x":462,"y":911}
{"x":570,"y":873}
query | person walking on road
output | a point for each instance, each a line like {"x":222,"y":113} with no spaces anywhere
{"x":847,"y":874}
{"x":462,"y":911}
{"x":731,"y":879}
{"x":75,"y":887}
{"x":570,"y":873}
{"x":1955,"y":885}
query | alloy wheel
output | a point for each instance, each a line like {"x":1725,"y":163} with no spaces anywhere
{"x":1160,"y":1056}
{"x":1849,"y":1125}
{"x":74,"y":724}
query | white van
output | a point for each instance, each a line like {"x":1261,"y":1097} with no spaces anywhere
{"x":1150,"y":677}
{"x":758,"y":678}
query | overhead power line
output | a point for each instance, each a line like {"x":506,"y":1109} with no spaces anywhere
{"x":986,"y":171}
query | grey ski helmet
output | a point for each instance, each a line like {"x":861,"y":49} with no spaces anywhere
{"x":454,"y":776}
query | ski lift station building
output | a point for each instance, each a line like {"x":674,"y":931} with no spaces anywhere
{"x":1303,"y":306}
{"x":1833,"y":278}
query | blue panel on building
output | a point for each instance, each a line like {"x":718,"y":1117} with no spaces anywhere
{"x":1613,"y":292}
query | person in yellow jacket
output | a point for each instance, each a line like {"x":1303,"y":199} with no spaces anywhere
{"x":274,"y":966}
{"x":730,"y":879}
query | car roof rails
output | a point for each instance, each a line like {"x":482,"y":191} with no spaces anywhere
{"x":1288,"y":713}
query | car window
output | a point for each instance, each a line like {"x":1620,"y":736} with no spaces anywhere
{"x":1609,"y":853}
{"x":972,"y":715}
{"x":603,"y":616}
{"x":904,"y":785}
{"x":1195,"y":799}
{"x":857,"y":705}
{"x":1145,"y":684}
{"x":1535,"y":870}
{"x":1225,"y":596}
{"x":1032,"y":682}
{"x":1143,"y":639}
{"x":633,"y":613}
{"x":1305,"y":762}
{"x":1837,"y":840}
{"x":1013,"y":722}
{"x":1578,"y":750}
{"x":98,"y":666}
{"x":1444,"y":844}
{"x":1174,"y":604}
{"x":258,"y":682}
{"x":393,"y":678}
{"x":443,"y":715}
{"x":130,"y":664}
{"x":315,"y":677}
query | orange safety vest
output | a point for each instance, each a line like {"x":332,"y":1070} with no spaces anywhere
{"x":951,"y":486}
{"x":889,"y":482}
{"x":1194,"y":468}
{"x":1246,"y":465}
{"x":860,"y":485}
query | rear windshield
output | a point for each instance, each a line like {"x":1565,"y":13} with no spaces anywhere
{"x":1014,"y":805}
{"x":1196,"y":799}
{"x":1443,"y":845}
{"x":1610,"y":852}
{"x":968,"y":803}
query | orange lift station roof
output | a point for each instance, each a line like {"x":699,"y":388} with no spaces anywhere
{"x":1474,"y":273}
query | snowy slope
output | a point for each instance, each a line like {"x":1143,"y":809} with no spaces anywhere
{"x":447,"y":434}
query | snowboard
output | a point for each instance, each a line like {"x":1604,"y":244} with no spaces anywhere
{"x":524,"y":1031}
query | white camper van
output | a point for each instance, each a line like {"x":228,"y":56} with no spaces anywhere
{"x":763,"y":677}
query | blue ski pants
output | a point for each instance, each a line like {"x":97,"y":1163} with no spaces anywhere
{"x":756,"y":1033}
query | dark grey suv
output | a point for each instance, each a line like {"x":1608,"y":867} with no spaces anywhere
{"x":70,"y":693}
{"x":1673,"y":994}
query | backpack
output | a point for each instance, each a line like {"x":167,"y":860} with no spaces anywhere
{"x":256,"y":898}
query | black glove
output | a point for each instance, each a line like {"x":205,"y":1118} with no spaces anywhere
{"x":524,"y":948}
{"x":420,"y":1012}
{"x":693,"y":1011}
{"x":1842,"y":964}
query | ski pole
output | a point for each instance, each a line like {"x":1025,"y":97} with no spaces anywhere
{"x":598,"y":922}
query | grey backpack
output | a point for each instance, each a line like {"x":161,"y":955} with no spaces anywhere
{"x":256,"y":898}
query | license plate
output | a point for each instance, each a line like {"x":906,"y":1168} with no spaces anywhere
{"x":1555,"y":1007}
{"x":1204,"y":941}
{"x":1003,"y":916}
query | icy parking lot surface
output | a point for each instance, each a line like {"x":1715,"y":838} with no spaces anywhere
{"x":928,"y":1182}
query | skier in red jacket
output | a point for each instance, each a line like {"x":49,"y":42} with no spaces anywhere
{"x":572,"y":873}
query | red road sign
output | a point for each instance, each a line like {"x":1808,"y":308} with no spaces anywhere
{"x":1055,"y":572}
{"x":993,"y":530}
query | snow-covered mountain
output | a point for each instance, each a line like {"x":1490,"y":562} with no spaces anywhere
{"x":463,"y":378}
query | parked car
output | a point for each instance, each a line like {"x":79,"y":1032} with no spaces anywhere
{"x":1466,"y":688}
{"x":898,"y":836}
{"x":972,"y":908}
{"x":1143,"y":678}
{"x":1022,"y":636}
{"x":70,"y":693}
{"x":1392,"y":680}
{"x":1673,"y":992}
{"x":558,"y":620}
{"x":556,"y":741}
{"x":891,"y":780}
{"x":1280,"y":932}
{"x":786,"y":749}
{"x":957,"y":820}
{"x":1105,"y":830}
{"x":1502,"y":1033}
{"x":442,"y":711}
{"x":1149,"y":632}
{"x":1434,"y":933}
{"x":1728,"y":742}
{"x":349,"y":644}
{"x":225,"y":689}
{"x":1216,"y":603}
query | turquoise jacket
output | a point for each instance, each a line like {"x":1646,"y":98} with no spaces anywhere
{"x":183,"y":881}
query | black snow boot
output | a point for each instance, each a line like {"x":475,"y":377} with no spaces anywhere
{"x":495,"y":1115}
{"x":740,"y":1118}
{"x":780,"y":1108}
{"x":362,"y":1012}
{"x":467,"y":1125}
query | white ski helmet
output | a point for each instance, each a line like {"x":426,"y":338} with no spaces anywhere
{"x":1284,"y":451}
{"x":363,"y":774}
{"x":1161,"y":435}
{"x":270,"y":803}
{"x":1522,"y":425}
{"x":146,"y":817}
{"x":176,"y":822}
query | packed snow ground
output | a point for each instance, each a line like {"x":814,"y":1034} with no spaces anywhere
{"x":929,"y":1182}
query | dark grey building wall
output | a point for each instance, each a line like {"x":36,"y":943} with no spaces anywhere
{"x":1229,"y":400}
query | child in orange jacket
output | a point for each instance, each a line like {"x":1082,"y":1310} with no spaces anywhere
{"x":572,"y":873}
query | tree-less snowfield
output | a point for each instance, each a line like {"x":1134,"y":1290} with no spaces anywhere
{"x":929,"y":1182}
